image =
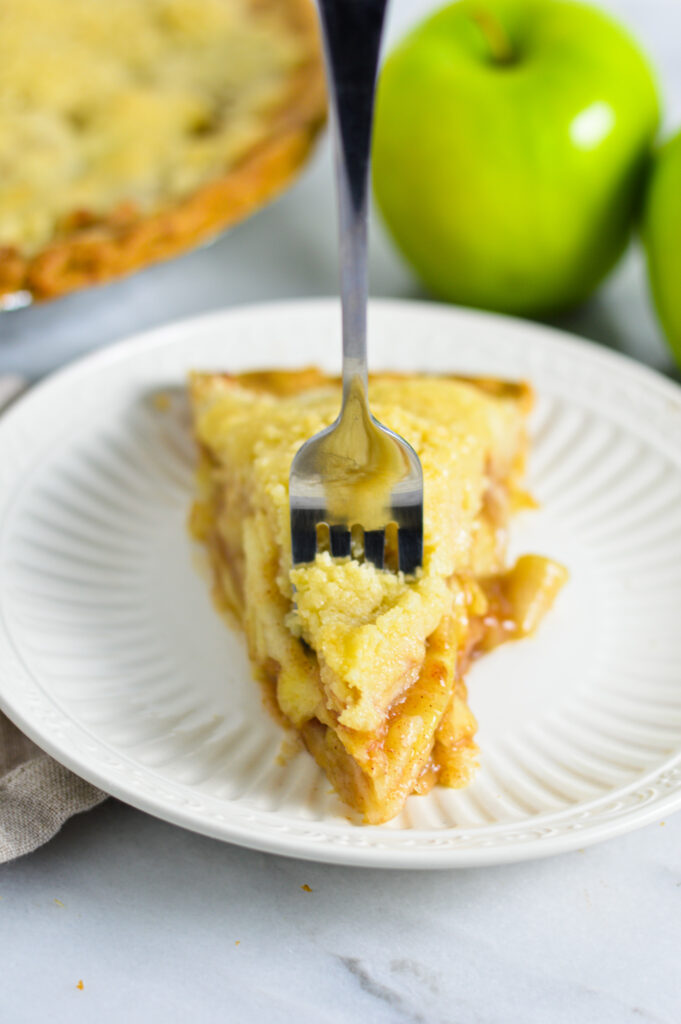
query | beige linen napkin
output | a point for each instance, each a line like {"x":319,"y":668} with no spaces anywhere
{"x":37,"y":794}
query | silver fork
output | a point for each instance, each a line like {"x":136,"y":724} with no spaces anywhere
{"x":356,"y":473}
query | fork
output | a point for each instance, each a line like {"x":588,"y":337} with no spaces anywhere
{"x":356,"y":473}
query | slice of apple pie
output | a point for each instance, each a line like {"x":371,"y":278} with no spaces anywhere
{"x":366,"y":664}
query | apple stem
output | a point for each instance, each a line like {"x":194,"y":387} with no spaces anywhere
{"x":496,"y":38}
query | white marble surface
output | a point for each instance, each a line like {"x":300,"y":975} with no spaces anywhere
{"x":149,"y":916}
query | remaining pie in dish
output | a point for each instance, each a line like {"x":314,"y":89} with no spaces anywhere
{"x":366,"y":664}
{"x":133,"y":129}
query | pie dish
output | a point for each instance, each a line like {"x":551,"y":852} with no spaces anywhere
{"x":132,"y":131}
{"x":367,"y":665}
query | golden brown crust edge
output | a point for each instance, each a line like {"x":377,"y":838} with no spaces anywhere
{"x":285,"y":383}
{"x":126,"y":241}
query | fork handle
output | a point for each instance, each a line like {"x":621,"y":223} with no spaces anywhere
{"x":352,"y":37}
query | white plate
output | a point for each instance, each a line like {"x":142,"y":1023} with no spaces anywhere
{"x":113,"y":659}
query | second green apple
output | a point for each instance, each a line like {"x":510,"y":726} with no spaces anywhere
{"x":511,"y":137}
{"x":662,"y":236}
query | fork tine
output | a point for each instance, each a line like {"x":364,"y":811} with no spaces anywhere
{"x":341,"y":541}
{"x":410,"y":537}
{"x":304,"y":533}
{"x":410,"y":545}
{"x":374,"y":547}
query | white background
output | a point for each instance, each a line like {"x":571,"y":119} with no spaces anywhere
{"x":149,"y":916}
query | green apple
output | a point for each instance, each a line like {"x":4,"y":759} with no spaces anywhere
{"x":511,"y":140}
{"x":662,"y":237}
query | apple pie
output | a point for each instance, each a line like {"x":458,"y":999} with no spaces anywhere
{"x":366,"y":664}
{"x":134,"y":129}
